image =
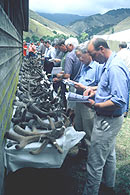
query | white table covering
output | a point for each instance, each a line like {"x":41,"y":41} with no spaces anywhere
{"x":48,"y":158}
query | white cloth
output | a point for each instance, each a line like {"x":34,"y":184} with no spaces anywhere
{"x":125,"y":56}
{"x":48,"y":158}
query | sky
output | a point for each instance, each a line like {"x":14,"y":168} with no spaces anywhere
{"x":79,"y":7}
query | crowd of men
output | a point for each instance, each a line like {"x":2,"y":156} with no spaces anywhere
{"x":104,"y":76}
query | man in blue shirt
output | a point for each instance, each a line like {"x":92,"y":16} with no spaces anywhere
{"x":89,"y":76}
{"x":110,"y":104}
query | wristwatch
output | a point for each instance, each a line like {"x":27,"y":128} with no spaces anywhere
{"x":93,"y":106}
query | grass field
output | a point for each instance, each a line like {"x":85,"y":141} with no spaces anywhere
{"x":123,"y":158}
{"x":122,"y":186}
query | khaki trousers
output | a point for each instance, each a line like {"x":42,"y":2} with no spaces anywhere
{"x":83,"y":121}
{"x":101,"y":163}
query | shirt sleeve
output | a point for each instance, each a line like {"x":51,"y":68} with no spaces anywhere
{"x":119,"y":85}
{"x":53,"y":53}
{"x":68,"y":65}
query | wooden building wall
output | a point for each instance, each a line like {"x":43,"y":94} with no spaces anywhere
{"x":13,"y":20}
{"x":10,"y":60}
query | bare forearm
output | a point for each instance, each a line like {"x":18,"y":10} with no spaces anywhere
{"x":66,"y":76}
{"x":94,"y":88}
{"x":108,"y":105}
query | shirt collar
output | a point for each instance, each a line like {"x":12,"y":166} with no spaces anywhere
{"x":49,"y":47}
{"x":88,"y":66}
{"x":106,"y":65}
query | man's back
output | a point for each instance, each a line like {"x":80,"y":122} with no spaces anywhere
{"x":41,"y":48}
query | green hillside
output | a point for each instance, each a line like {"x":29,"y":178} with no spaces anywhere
{"x":35,"y":28}
{"x":98,"y":23}
{"x":123,"y":25}
{"x":40,"y":26}
{"x":110,"y":22}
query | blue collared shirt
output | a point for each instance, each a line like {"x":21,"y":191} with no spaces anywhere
{"x":90,"y":75}
{"x":113,"y":85}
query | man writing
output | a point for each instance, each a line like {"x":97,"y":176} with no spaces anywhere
{"x":110,"y":104}
{"x":89,"y":77}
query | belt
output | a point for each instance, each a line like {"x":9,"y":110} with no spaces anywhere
{"x":111,"y":116}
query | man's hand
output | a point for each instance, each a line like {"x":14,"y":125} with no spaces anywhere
{"x":43,"y":58}
{"x":57,"y":60}
{"x":79,"y":86}
{"x":60,"y":75}
{"x":56,"y":79}
{"x":89,"y":92}
{"x":91,"y":102}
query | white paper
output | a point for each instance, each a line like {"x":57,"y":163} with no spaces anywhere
{"x":56,"y":70}
{"x":76,"y":97}
{"x":68,"y":82}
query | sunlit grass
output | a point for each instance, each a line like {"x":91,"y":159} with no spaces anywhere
{"x":123,"y":159}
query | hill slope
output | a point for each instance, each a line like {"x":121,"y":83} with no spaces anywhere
{"x":62,"y":19}
{"x":100,"y":22}
{"x":41,"y":27}
{"x":121,"y":26}
{"x":36,"y":28}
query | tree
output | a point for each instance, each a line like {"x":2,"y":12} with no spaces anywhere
{"x":83,"y":37}
{"x":112,"y":31}
{"x":27,"y":39}
{"x":34,"y":38}
{"x":54,"y":32}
